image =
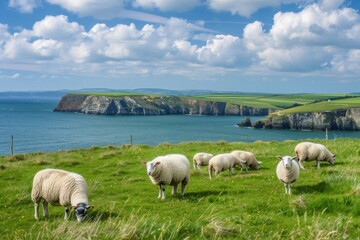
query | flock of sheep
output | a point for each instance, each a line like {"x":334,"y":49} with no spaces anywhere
{"x":62,"y":188}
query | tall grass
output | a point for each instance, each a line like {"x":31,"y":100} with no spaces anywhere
{"x":325,"y":203}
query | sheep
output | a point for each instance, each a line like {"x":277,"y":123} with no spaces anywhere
{"x":287,"y":171}
{"x":222,"y":162}
{"x":248,"y":157}
{"x":60,"y":188}
{"x":308,"y":151}
{"x":170,"y":170}
{"x":201,"y":159}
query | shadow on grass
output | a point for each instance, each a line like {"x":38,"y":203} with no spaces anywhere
{"x":320,"y":187}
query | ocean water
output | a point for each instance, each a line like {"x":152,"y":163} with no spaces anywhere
{"x":35,"y":127}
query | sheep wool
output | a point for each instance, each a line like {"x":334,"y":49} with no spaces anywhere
{"x":222,"y":162}
{"x":248,"y":157}
{"x":170,"y":170}
{"x":287,"y":171}
{"x":60,"y":188}
{"x":308,"y":151}
{"x":201,"y":159}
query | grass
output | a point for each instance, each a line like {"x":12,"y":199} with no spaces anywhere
{"x":325,"y":203}
{"x":326,"y":106}
{"x":274,"y":101}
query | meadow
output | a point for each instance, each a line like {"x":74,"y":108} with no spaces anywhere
{"x":325,"y":202}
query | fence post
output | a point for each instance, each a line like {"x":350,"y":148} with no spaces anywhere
{"x":131,"y":139}
{"x":326,"y":134}
{"x":12,"y":145}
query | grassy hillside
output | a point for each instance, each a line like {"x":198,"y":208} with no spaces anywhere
{"x":326,"y":106}
{"x":275,"y":101}
{"x":247,"y":205}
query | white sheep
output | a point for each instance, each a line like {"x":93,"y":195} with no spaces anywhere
{"x":248,"y":157}
{"x":170,"y":170}
{"x":201,"y":159}
{"x":222,"y":162}
{"x":287,"y":171}
{"x":60,"y":188}
{"x":308,"y":151}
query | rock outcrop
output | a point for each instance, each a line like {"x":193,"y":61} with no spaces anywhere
{"x":348,"y":119}
{"x":148,"y":105}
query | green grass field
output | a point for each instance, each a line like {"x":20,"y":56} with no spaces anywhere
{"x":326,"y":106}
{"x":274,"y":101}
{"x":325,"y":203}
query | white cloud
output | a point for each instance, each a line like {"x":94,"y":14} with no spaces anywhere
{"x":24,"y":6}
{"x":167,"y":5}
{"x":314,"y":39}
{"x":245,"y":7}
{"x":57,"y":27}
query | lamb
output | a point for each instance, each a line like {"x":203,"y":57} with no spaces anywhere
{"x":60,"y":188}
{"x":201,"y":159}
{"x":222,"y":162}
{"x":308,"y":151}
{"x":287,"y":171}
{"x":170,"y":170}
{"x":248,"y":157}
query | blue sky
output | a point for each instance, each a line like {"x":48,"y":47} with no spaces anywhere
{"x":274,"y":46}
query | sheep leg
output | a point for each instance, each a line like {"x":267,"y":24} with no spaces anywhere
{"x":286,"y":188}
{"x":174,"y":190}
{"x":317,"y":163}
{"x":231,"y":170}
{"x":162,"y":190}
{"x":289,"y":189}
{"x":183,"y":187}
{"x":301,"y":164}
{"x":45,"y":209}
{"x":36,"y":207}
{"x":160,"y":194}
{"x":67,"y":210}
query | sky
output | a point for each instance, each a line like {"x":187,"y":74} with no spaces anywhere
{"x":268,"y":46}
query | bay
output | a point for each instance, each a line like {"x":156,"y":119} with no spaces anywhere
{"x":35,"y":127}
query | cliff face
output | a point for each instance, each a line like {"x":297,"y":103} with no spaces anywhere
{"x":348,"y":119}
{"x":146,"y":105}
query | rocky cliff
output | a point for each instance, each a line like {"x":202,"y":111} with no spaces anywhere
{"x":348,"y":119}
{"x":148,"y":105}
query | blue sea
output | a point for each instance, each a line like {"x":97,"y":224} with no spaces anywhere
{"x":35,"y":127}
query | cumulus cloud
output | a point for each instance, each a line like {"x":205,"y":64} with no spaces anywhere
{"x":167,"y":5}
{"x":24,"y":6}
{"x":57,"y":27}
{"x":316,"y":38}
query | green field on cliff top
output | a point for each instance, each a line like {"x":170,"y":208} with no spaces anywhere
{"x":290,"y":102}
{"x":325,"y":202}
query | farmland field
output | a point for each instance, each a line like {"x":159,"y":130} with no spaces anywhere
{"x":325,"y":203}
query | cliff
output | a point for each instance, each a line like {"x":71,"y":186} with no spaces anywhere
{"x":148,"y":105}
{"x":348,"y":119}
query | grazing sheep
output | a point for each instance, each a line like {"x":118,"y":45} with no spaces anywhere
{"x":287,"y":171}
{"x":248,"y":157}
{"x":308,"y":151}
{"x":170,"y":170}
{"x":201,"y":159}
{"x":222,"y":162}
{"x":60,"y":188}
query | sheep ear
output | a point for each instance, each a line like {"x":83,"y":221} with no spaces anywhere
{"x":295,"y":158}
{"x":73,"y":207}
{"x":334,"y":155}
{"x":144,"y":163}
{"x":279,"y":158}
{"x":157,"y":163}
{"x":87,"y":207}
{"x":259,"y":162}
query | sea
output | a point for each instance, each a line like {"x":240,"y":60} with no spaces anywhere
{"x":30,"y":125}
